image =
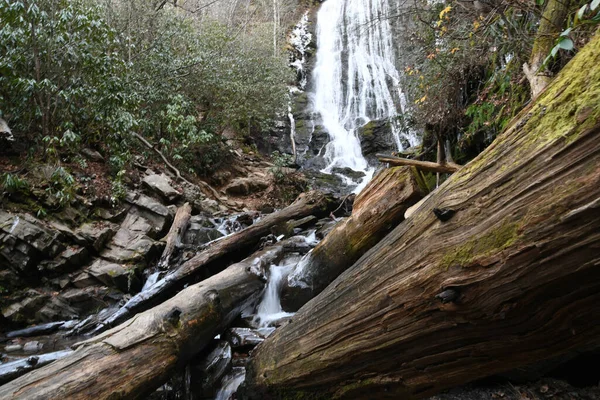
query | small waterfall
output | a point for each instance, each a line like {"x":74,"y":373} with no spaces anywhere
{"x":230,"y":383}
{"x":355,"y":77}
{"x":269,"y":310}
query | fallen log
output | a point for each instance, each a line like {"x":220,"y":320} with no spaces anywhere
{"x":511,"y":279}
{"x":133,"y":359}
{"x":378,"y":209}
{"x":219,"y":253}
{"x":175,"y":235}
{"x":444,"y":168}
{"x":14,"y":369}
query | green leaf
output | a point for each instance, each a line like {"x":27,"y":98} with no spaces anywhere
{"x":539,"y":2}
{"x":566,"y":44}
{"x":555,"y":50}
{"x":566,"y":32}
{"x":594,"y":4}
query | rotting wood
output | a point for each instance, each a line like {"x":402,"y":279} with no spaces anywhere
{"x":378,"y":209}
{"x":444,"y":168}
{"x":517,"y":267}
{"x":175,"y":235}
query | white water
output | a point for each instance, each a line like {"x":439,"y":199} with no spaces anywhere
{"x":230,"y":383}
{"x":355,"y":78}
{"x":269,"y":310}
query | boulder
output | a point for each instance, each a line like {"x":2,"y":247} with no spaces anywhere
{"x":92,"y":154}
{"x":96,"y":234}
{"x":161,"y":185}
{"x":24,"y":241}
{"x":246,"y":186}
{"x":243,"y":337}
{"x":123,"y":277}
{"x":72,"y":258}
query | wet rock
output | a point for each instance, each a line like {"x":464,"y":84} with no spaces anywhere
{"x":56,"y":309}
{"x":116,"y":275}
{"x":324,"y":226}
{"x":161,"y":185}
{"x":243,"y":337}
{"x":288,"y":227}
{"x":83,"y":280}
{"x":70,"y":259}
{"x":96,"y":234}
{"x":115,"y":214}
{"x":24,"y":310}
{"x":246,"y":219}
{"x":350,"y":173}
{"x":32,"y":347}
{"x":206,"y":373}
{"x":376,"y":137}
{"x":89,"y":299}
{"x":246,"y":186}
{"x":199,"y":235}
{"x":24,"y":241}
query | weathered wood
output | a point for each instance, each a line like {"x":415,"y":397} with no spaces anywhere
{"x":133,"y":359}
{"x":175,"y":235}
{"x":513,"y":278}
{"x":444,"y":168}
{"x":378,"y":209}
{"x":219,"y":253}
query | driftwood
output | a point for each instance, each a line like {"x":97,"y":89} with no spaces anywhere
{"x":219,"y":253}
{"x":175,"y":235}
{"x":444,"y":168}
{"x":378,"y":209}
{"x":511,"y":279}
{"x":133,"y":359}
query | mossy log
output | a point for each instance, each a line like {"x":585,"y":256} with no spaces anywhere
{"x":133,"y":359}
{"x":378,"y":209}
{"x":438,"y":167}
{"x":511,"y":279}
{"x":229,"y":249}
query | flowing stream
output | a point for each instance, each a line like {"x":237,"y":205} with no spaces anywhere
{"x":356,"y":79}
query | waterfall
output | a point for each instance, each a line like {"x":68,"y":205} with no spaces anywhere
{"x":355,"y":77}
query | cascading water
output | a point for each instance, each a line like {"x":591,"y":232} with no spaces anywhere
{"x":355,"y":78}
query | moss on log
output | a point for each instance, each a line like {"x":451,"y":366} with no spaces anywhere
{"x":511,"y":279}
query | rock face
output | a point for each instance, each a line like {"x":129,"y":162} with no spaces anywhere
{"x":246,"y":186}
{"x":75,"y":271}
{"x":377,"y":137}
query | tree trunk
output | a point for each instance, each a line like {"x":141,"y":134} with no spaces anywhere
{"x":378,"y":209}
{"x":511,"y":279}
{"x":551,"y":24}
{"x":444,"y":167}
{"x":219,"y":253}
{"x":175,"y":235}
{"x":133,"y":359}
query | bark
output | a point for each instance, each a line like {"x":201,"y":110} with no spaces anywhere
{"x":175,"y":235}
{"x":133,"y":359}
{"x":444,"y":168}
{"x":551,"y":24}
{"x":511,"y":279}
{"x":378,"y":209}
{"x":219,"y":253}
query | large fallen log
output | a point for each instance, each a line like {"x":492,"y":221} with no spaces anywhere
{"x":133,"y":359}
{"x":512,"y":278}
{"x":231,"y":248}
{"x":441,"y":167}
{"x":378,"y":209}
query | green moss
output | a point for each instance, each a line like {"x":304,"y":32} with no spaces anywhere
{"x":354,"y":386}
{"x":368,"y":129}
{"x":492,"y":242}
